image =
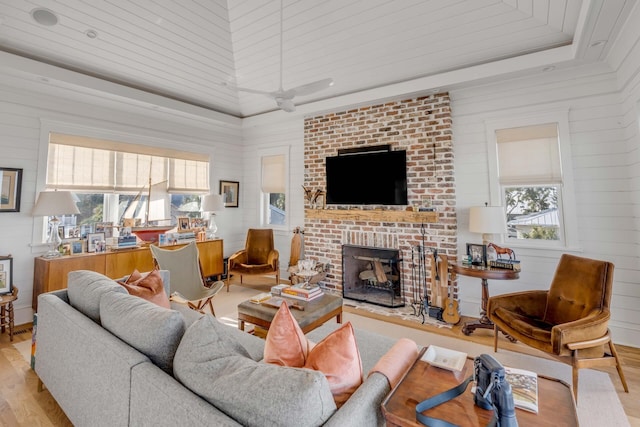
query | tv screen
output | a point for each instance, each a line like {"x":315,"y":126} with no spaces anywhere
{"x":378,"y":178}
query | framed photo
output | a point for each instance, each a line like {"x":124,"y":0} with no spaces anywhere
{"x":10,"y":189}
{"x":198,"y":222}
{"x":230,"y":191}
{"x":183,"y":223}
{"x":6,"y":275}
{"x":477,"y":253}
{"x":94,"y":242}
{"x":77,"y":247}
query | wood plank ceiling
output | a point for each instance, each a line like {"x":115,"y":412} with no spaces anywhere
{"x":187,"y":50}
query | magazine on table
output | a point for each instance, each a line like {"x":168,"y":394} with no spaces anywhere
{"x":524,"y":385}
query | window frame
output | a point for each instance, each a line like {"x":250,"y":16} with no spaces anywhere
{"x":566,"y":197}
{"x":263,"y":201}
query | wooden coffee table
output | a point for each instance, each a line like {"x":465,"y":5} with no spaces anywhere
{"x":555,"y":399}
{"x":315,"y":312}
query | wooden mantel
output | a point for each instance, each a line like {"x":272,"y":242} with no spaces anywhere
{"x":371,"y":215}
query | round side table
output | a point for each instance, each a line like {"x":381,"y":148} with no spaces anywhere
{"x":6,"y":311}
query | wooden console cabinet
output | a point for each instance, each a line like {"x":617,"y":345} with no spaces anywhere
{"x":50,"y":274}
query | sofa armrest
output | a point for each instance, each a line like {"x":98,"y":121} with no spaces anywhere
{"x":364,"y":407}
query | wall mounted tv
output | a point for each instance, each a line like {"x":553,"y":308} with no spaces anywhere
{"x":367,"y":178}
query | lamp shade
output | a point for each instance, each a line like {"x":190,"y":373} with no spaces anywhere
{"x":51,"y":203}
{"x":212,"y":203}
{"x":487,"y":220}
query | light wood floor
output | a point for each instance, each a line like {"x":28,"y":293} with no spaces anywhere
{"x":22,"y":405}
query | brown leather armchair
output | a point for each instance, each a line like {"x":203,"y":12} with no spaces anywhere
{"x":259,"y":256}
{"x":569,"y":321}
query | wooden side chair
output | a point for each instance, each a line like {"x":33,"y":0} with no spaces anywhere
{"x":569,"y":321}
{"x":6,"y":311}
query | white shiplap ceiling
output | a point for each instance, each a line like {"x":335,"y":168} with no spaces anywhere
{"x":186,"y":50}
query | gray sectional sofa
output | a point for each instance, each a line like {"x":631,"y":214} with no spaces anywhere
{"x":112,"y":359}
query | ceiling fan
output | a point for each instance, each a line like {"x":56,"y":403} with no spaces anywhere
{"x":284,"y":98}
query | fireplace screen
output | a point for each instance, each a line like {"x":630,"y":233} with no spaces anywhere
{"x":372,"y":275}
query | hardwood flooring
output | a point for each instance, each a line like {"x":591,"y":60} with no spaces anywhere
{"x":22,"y":405}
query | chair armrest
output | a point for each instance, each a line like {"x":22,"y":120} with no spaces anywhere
{"x":591,"y":327}
{"x":527,"y":303}
{"x":239,"y":257}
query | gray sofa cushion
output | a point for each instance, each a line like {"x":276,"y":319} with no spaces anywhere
{"x":214,"y":366}
{"x":152,"y":330}
{"x":86,"y":288}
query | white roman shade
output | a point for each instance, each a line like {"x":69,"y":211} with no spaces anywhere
{"x":273,"y":174}
{"x":97,"y":165}
{"x":529,"y":155}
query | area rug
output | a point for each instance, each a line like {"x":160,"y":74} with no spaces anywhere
{"x":598,"y":403}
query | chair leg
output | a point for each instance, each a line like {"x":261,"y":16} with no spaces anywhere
{"x":228,"y":281}
{"x":614,"y":353}
{"x":574,"y":374}
{"x":496,"y":331}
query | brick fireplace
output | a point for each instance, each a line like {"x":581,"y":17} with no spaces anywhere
{"x":422,"y":127}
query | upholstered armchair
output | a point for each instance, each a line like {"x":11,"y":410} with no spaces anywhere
{"x":259,"y":257}
{"x":569,"y":321}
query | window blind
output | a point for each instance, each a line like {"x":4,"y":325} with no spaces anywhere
{"x":273,"y":174}
{"x":529,"y":155}
{"x":81,"y":163}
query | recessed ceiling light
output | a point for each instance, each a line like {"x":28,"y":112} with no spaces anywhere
{"x":44,"y":16}
{"x":549,"y":68}
{"x":92,"y":34}
{"x":597,"y":43}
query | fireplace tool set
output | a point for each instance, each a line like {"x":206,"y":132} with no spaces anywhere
{"x":420,"y":302}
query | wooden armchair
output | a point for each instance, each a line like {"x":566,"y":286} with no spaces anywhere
{"x":569,"y":321}
{"x":259,"y":257}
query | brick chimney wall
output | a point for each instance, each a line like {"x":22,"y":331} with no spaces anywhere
{"x":422,"y":127}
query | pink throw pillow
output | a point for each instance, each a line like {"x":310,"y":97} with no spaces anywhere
{"x":149,"y":287}
{"x":285,"y":344}
{"x":338,"y":358}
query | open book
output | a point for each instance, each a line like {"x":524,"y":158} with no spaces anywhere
{"x":524,"y":385}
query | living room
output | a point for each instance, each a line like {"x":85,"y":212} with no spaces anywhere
{"x":598,"y":98}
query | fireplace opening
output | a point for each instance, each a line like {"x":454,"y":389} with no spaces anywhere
{"x":372,"y":275}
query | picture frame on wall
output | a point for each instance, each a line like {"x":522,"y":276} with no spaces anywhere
{"x":6,"y":275}
{"x":10,"y":189}
{"x":477,"y":254}
{"x":230,"y":192}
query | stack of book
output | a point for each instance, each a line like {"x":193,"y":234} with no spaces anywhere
{"x":507,"y":264}
{"x":303,"y":292}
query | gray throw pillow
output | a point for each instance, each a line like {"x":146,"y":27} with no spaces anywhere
{"x":152,"y":330}
{"x":85,"y":289}
{"x":212,"y":365}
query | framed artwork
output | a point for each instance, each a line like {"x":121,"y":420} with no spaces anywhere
{"x":230,"y":191}
{"x":477,"y":253}
{"x":183,"y":223}
{"x":10,"y":189}
{"x":6,"y":275}
{"x":94,"y":242}
{"x":76,"y":247}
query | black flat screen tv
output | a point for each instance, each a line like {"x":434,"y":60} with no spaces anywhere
{"x":378,"y":178}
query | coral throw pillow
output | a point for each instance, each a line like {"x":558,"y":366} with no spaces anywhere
{"x":149,"y":287}
{"x":336,"y":356}
{"x":285,"y":344}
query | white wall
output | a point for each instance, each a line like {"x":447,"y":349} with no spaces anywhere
{"x":21,"y":113}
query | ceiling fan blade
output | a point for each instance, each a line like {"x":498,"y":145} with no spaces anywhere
{"x":244,"y":89}
{"x":310,"y":88}
{"x":286,"y":105}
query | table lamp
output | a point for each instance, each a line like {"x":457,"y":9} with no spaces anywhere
{"x":52,"y":203}
{"x":212,"y":203}
{"x":487,"y":220}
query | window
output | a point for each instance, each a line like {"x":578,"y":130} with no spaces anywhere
{"x":114,"y":180}
{"x":531,"y":176}
{"x":274,"y":187}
